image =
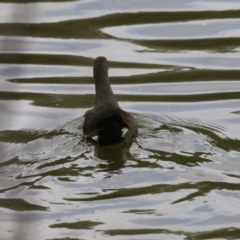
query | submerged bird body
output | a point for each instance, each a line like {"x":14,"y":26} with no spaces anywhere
{"x":107,"y":123}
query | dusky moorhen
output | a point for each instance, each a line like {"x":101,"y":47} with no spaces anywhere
{"x":107,"y":123}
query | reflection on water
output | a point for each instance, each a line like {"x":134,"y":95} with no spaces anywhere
{"x":175,"y":66}
{"x":184,"y":30}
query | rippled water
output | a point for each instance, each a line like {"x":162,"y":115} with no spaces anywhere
{"x":175,"y":65}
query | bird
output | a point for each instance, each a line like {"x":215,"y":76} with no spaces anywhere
{"x":106,"y":123}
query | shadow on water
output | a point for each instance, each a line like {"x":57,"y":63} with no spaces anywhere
{"x":115,"y":157}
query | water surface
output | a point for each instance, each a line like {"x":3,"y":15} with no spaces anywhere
{"x":175,"y":65}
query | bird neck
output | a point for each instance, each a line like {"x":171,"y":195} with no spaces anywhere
{"x":104,"y":93}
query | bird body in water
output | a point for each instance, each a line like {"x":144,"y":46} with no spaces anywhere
{"x":107,"y":123}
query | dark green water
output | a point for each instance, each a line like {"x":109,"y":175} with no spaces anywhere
{"x":175,"y":65}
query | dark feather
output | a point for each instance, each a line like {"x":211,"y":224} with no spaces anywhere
{"x":107,"y":122}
